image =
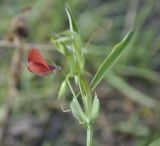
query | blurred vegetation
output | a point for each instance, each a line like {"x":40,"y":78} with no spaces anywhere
{"x":130,"y":93}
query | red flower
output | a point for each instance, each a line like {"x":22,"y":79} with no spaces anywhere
{"x":38,"y":65}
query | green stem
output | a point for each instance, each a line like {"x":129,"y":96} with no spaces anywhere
{"x":90,"y":135}
{"x":69,"y":84}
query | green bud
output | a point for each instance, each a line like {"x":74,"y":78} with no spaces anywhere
{"x":77,"y":111}
{"x":95,"y":108}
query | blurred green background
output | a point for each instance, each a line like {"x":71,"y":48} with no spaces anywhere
{"x":129,"y":94}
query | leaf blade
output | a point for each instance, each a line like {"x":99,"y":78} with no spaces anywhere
{"x":111,"y":59}
{"x":72,"y":21}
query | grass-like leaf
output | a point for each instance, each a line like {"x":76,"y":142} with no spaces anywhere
{"x":111,"y":59}
{"x":72,"y":21}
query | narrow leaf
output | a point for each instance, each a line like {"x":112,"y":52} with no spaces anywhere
{"x":72,"y":21}
{"x":111,"y":59}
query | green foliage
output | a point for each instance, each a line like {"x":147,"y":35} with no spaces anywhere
{"x":155,"y":142}
{"x":111,"y":59}
{"x":70,"y":43}
{"x":136,"y":75}
{"x":72,"y":21}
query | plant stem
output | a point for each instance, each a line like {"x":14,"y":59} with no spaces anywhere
{"x":89,"y":135}
{"x":69,"y":84}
